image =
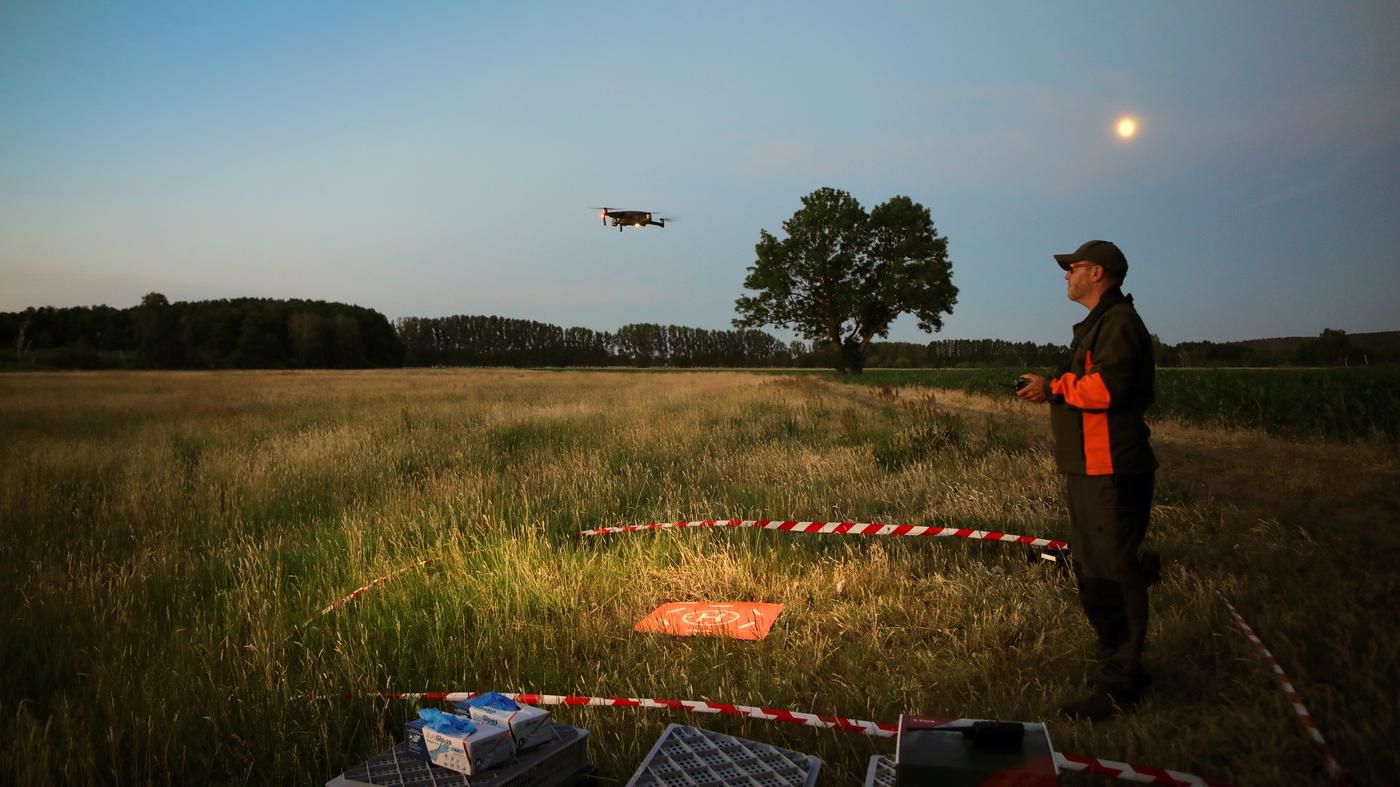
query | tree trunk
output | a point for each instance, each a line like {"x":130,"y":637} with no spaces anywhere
{"x":852,"y":356}
{"x":20,"y":344}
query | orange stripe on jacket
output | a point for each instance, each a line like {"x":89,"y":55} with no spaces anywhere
{"x":1098,"y":456}
{"x":1088,"y":393}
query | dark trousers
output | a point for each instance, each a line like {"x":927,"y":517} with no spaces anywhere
{"x":1108,"y":518}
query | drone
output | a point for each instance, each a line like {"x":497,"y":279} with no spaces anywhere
{"x":631,"y":218}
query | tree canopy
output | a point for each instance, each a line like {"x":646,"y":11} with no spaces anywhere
{"x":842,"y":275}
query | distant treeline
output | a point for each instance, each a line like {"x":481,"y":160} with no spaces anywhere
{"x":500,"y":341}
{"x":478,"y":340}
{"x":244,"y":333}
{"x":259,"y":333}
{"x":1330,"y":348}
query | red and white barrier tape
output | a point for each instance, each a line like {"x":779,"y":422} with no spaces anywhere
{"x":1133,"y":773}
{"x":1334,"y":768}
{"x":385,"y":578}
{"x":840,"y":528}
{"x":766,"y":714}
{"x":1071,"y":762}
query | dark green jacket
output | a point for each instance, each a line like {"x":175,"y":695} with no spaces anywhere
{"x":1098,"y":400}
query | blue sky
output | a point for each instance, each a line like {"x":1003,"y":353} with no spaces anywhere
{"x":426,"y":159}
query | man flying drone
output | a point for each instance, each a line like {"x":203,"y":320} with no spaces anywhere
{"x":631,"y":218}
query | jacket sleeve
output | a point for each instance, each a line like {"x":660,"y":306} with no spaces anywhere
{"x":1108,"y":367}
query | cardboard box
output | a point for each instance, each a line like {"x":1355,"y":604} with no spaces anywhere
{"x":413,"y":739}
{"x":483,"y":748}
{"x":528,"y":725}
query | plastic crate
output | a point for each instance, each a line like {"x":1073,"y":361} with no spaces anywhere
{"x":973,"y":752}
{"x":880,"y":773}
{"x":559,"y":762}
{"x":699,"y":758}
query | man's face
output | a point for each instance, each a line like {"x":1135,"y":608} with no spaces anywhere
{"x":1080,"y":280}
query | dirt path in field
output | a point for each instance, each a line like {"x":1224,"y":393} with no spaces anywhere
{"x":886,"y":396}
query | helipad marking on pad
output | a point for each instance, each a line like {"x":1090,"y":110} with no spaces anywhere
{"x":739,"y":620}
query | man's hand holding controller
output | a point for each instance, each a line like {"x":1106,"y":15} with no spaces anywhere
{"x":1031,"y":388}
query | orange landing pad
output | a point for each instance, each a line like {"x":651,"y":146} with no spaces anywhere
{"x":737,"y":619}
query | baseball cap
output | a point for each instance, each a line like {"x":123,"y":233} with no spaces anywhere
{"x":1099,"y":252}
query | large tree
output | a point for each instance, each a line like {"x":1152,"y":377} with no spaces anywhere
{"x":841,"y":276}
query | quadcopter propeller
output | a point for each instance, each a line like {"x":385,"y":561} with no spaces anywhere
{"x":604,"y":215}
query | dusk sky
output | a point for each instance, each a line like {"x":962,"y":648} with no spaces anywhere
{"x":427,"y":159}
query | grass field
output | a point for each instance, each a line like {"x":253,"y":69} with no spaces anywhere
{"x":169,"y":539}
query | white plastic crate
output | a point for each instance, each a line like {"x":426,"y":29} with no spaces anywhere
{"x":880,"y":773}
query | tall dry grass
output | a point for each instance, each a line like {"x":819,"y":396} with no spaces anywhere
{"x":170,"y":538}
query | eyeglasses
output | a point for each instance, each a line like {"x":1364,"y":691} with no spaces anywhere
{"x":1073,"y":266}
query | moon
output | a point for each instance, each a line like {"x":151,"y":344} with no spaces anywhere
{"x":1127,"y":127}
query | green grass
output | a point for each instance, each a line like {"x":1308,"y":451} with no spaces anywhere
{"x":169,"y":540}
